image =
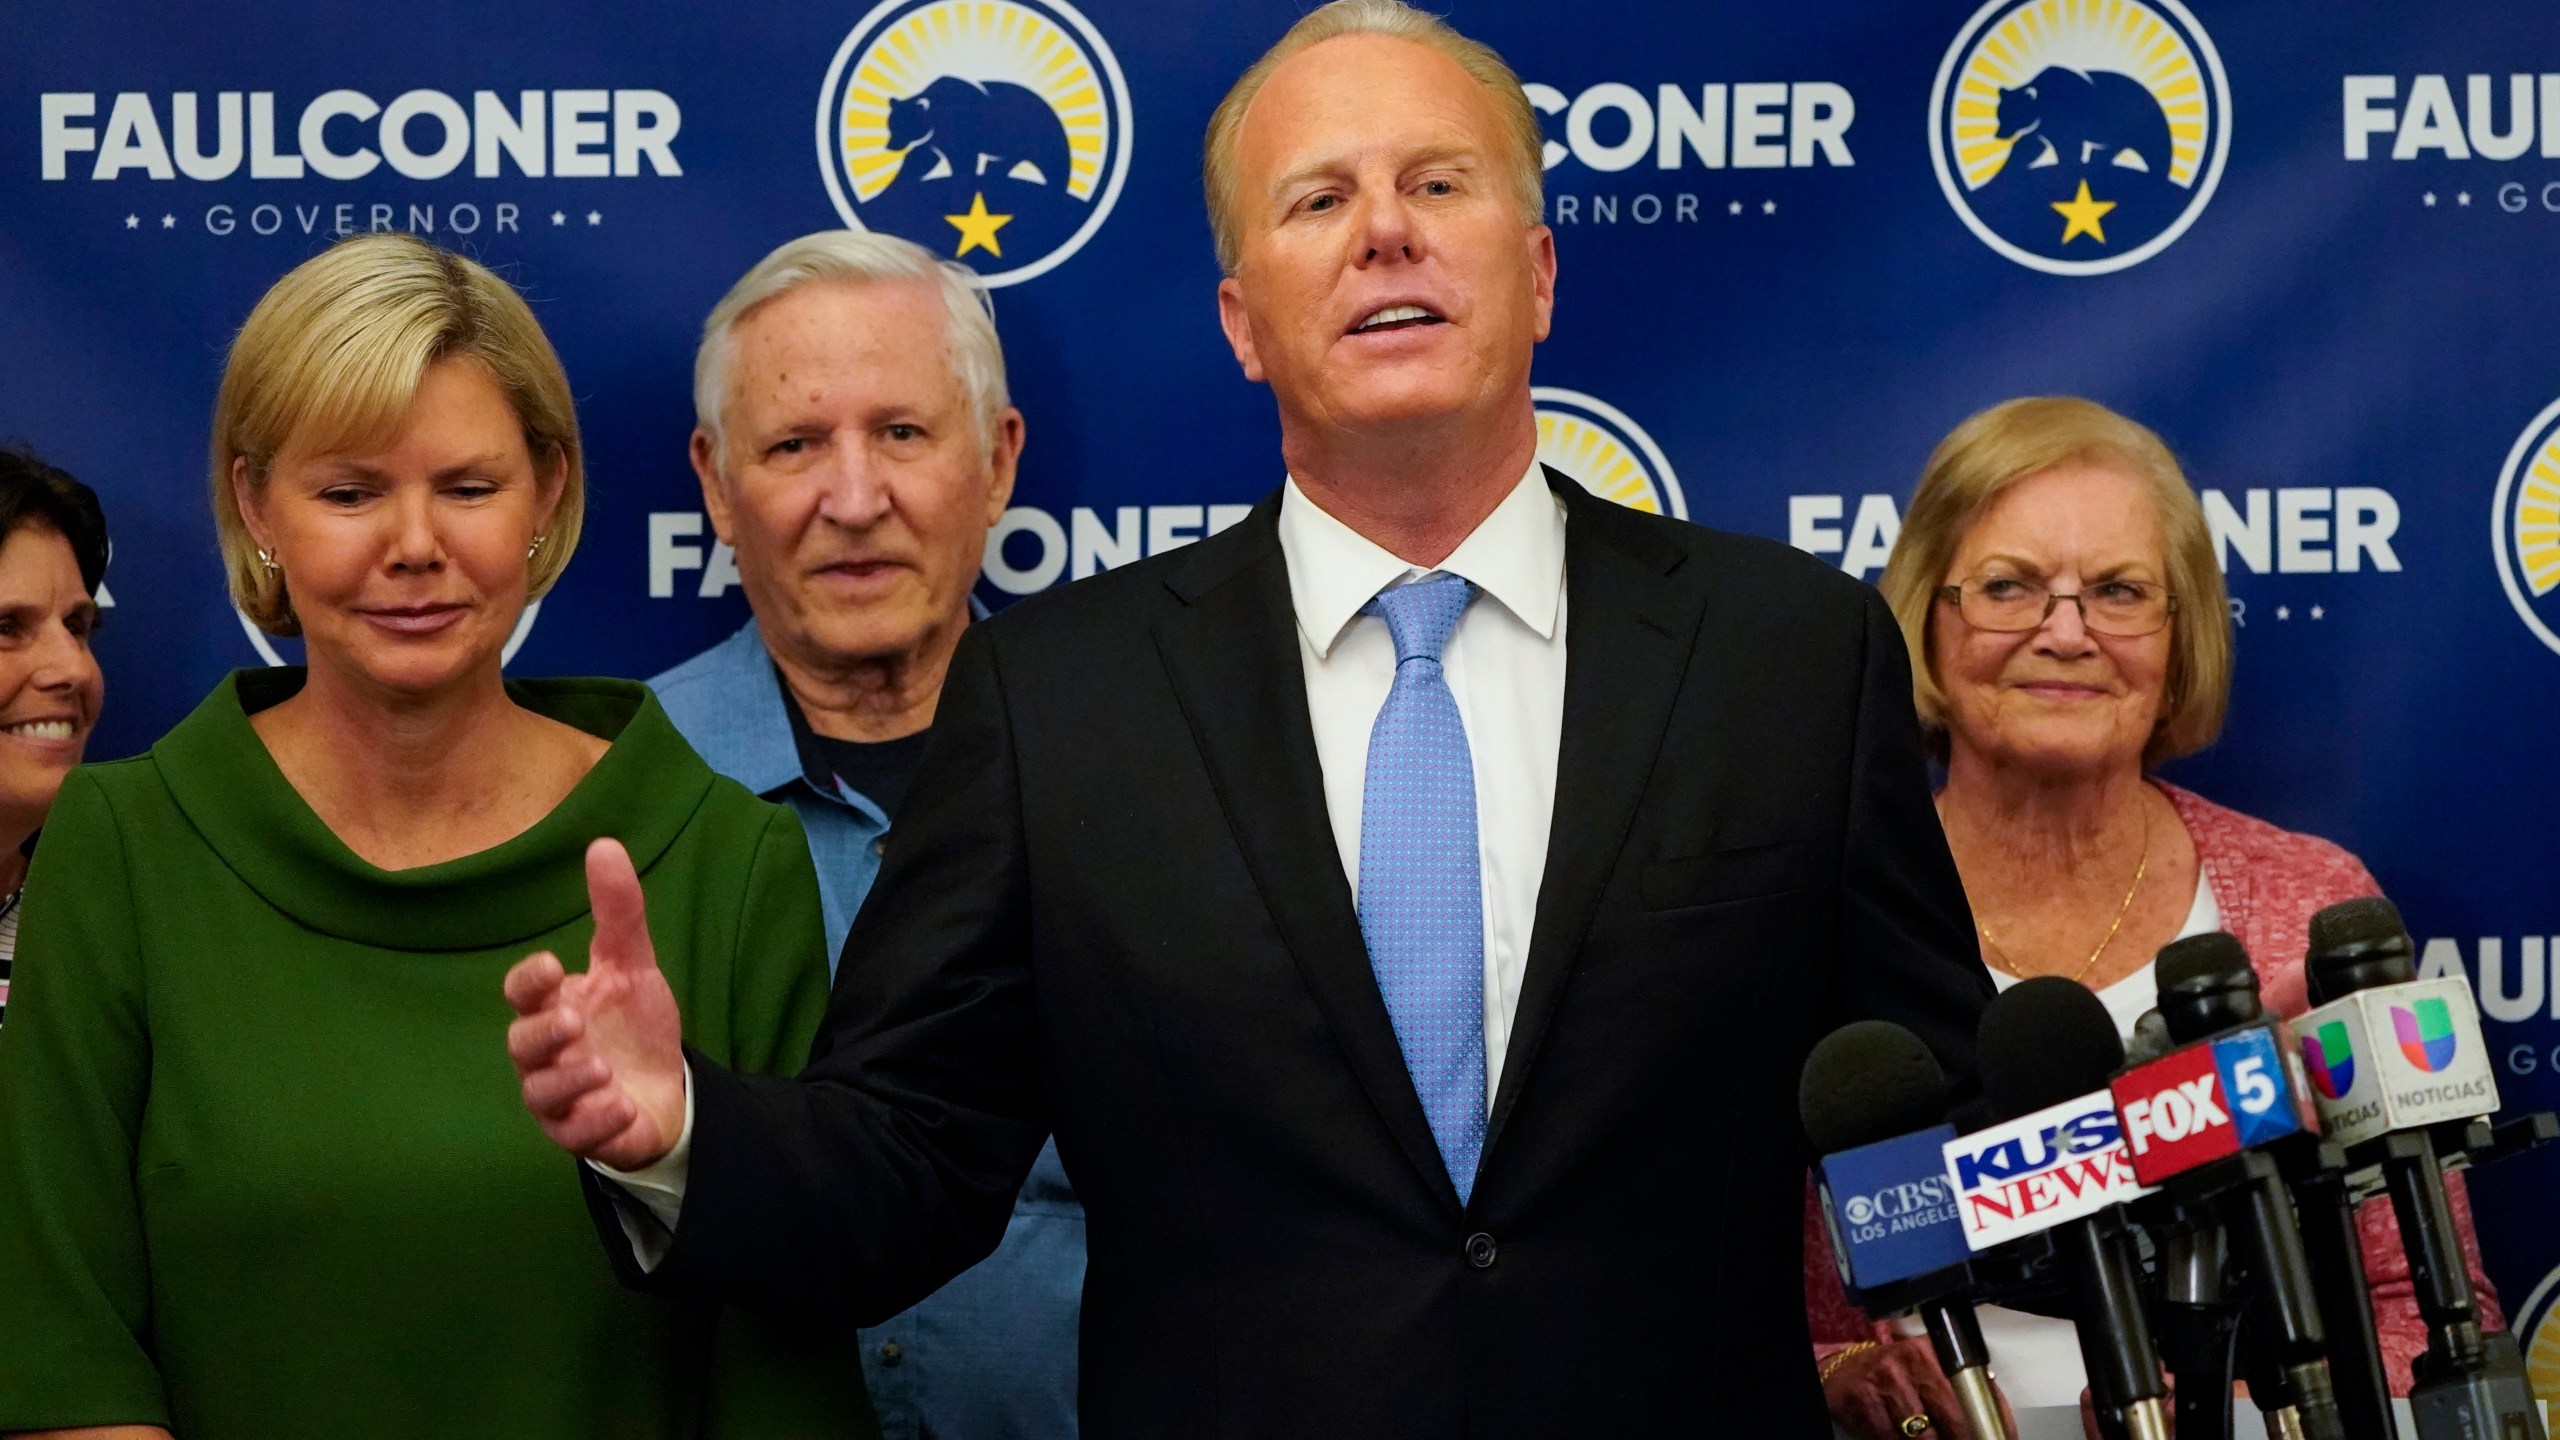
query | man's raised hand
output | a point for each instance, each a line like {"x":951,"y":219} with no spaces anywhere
{"x":601,"y":1054}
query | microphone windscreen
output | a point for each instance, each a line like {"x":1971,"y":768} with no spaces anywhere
{"x":2044,"y":1041}
{"x":2356,"y":944}
{"x":1867,"y":1081}
{"x":2206,"y":986}
{"x":2355,"y":924}
{"x":2206,"y":964}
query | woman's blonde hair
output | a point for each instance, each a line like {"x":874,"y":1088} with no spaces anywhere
{"x":331,"y":360}
{"x":1978,"y":461}
{"x":1524,"y":167}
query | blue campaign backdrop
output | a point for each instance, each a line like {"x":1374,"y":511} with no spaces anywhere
{"x":2311,"y":243}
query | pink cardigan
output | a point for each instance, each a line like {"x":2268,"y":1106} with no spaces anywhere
{"x":2267,"y":883}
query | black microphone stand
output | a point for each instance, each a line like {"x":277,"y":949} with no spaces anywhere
{"x":2199,"y":1321}
{"x":1955,"y":1333}
{"x":2099,"y":1269}
{"x":2325,"y":1206}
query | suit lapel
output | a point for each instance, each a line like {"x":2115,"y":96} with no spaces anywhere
{"x":1631,"y":624}
{"x":1232,"y":652}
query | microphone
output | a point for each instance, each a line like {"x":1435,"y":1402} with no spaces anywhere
{"x":2058,"y":1166}
{"x":2198,"y":1314}
{"x":2196,"y":1120}
{"x":2391,"y":1055}
{"x":2325,"y":1194}
{"x":2387,"y":1050}
{"x":1873,"y":1100}
{"x":2150,"y":1039}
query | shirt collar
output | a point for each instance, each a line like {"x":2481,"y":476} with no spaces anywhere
{"x":730,"y":706}
{"x":736,"y":716}
{"x":1516,"y":555}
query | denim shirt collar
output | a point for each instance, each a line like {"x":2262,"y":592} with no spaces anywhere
{"x":729,"y":702}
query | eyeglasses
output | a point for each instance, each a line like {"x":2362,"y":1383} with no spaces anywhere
{"x":2122,"y":608}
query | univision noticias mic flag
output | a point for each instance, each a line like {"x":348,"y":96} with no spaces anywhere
{"x":2397,"y":1057}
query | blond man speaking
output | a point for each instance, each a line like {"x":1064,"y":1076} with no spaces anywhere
{"x":1409,"y":909}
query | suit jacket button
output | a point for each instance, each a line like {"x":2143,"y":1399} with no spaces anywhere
{"x":1480,"y":1250}
{"x":890,"y":1353}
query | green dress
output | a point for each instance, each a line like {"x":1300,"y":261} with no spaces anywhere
{"x":264,"y":1168}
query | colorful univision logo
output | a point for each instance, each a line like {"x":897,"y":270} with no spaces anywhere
{"x":2078,"y":137}
{"x":991,"y":132}
{"x":1595,"y":443}
{"x":2332,"y":1058}
{"x":2425,"y":1033}
{"x":2524,"y":526}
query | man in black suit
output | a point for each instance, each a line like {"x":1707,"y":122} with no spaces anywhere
{"x":1417,"y":999}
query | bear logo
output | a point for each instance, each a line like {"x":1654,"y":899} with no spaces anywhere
{"x":978,"y":129}
{"x":2079,"y":137}
{"x":2088,"y":119}
{"x":995,"y":133}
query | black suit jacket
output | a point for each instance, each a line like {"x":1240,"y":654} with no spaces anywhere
{"x":1113,"y":907}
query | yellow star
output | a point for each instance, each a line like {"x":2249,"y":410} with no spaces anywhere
{"x":2081,"y":215}
{"x":978,"y":228}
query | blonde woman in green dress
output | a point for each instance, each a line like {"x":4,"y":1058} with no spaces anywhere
{"x":263,"y":1171}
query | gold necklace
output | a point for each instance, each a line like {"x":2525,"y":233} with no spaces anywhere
{"x":2140,"y":868}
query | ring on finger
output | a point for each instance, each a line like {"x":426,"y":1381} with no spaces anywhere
{"x":1915,"y":1424}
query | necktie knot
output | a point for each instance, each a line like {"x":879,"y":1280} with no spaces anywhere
{"x":1422,"y":615}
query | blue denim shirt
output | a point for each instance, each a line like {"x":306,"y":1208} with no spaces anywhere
{"x":992,"y":1355}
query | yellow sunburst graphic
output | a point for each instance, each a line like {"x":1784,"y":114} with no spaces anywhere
{"x":2542,"y":1357}
{"x":2120,"y":35}
{"x":1603,"y":463}
{"x":2537,"y":533}
{"x":985,"y":41}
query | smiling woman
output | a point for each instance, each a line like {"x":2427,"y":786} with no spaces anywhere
{"x":53,"y":556}
{"x":257,"y":1174}
{"x":2057,"y":587}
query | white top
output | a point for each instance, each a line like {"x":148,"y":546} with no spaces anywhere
{"x":2037,"y":1357}
{"x":1505,"y":666}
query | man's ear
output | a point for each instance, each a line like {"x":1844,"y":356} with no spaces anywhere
{"x":1542,"y":268}
{"x":705,"y":452}
{"x":1004,"y":459}
{"x":1239,"y":327}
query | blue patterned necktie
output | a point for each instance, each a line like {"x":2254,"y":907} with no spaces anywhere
{"x":1421,"y":883}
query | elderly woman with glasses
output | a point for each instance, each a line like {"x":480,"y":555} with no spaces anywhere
{"x":2057,"y":586}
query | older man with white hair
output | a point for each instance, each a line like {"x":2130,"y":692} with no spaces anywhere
{"x":854,"y":443}
{"x":1410,"y":908}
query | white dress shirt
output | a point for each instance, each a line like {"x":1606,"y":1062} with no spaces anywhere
{"x":1505,"y":664}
